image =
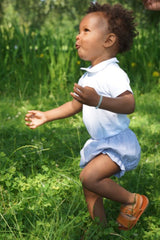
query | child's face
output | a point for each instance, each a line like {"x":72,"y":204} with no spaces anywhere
{"x":90,"y":41}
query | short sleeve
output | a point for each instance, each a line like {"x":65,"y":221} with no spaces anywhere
{"x":118,"y":82}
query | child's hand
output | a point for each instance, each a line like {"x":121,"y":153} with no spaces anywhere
{"x":85,"y":95}
{"x":152,"y":4}
{"x":35,"y":119}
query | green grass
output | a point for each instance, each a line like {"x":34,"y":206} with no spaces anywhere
{"x":40,"y":192}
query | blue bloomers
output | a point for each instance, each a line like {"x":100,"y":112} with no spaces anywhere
{"x":122,"y":148}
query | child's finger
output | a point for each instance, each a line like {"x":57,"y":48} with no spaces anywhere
{"x":32,"y":111}
{"x":28,"y":124}
{"x":76,"y":97}
{"x":28,"y":116}
{"x":31,"y":114}
{"x":78,"y":87}
{"x":31,"y":125}
{"x":27,"y":119}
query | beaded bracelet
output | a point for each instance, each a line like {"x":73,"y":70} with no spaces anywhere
{"x":100,"y":101}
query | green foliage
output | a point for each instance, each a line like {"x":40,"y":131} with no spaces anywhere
{"x":43,"y":13}
{"x":35,"y":13}
{"x":142,"y":62}
{"x":34,"y":62}
{"x":30,"y":59}
{"x":40,"y":192}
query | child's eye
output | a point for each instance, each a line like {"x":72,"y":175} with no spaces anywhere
{"x":86,"y":30}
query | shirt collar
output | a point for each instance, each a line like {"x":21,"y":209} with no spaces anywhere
{"x":100,"y":66}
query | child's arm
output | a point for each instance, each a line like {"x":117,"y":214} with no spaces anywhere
{"x":36,"y":118}
{"x":124,"y":103}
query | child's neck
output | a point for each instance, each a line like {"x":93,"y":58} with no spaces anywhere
{"x":101,"y":59}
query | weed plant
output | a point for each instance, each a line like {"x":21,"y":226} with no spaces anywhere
{"x":40,"y":192}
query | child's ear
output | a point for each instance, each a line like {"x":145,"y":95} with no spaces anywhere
{"x":110,"y":40}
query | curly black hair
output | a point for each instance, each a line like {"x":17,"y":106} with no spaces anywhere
{"x":121,"y":23}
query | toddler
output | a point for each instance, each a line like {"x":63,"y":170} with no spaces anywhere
{"x":105,"y":97}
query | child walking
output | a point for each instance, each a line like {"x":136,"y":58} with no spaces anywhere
{"x":105,"y":97}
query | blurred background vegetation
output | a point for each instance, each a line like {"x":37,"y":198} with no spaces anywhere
{"x":52,"y":13}
{"x":37,"y":46}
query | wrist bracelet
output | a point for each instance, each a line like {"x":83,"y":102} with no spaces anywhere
{"x":100,"y":101}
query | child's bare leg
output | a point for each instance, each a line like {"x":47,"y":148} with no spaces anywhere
{"x":95,"y":177}
{"x":95,"y":205}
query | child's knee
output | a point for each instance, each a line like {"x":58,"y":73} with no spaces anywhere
{"x":86,"y":178}
{"x":81,"y":176}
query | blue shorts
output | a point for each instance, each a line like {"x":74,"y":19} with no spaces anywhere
{"x":122,"y":148}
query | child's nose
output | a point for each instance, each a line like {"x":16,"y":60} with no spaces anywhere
{"x":78,"y":36}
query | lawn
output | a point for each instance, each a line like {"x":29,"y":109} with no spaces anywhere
{"x":41,"y":195}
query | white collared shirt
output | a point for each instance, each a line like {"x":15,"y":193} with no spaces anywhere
{"x":109,"y":80}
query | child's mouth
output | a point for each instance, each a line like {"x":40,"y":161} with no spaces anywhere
{"x":77,"y":46}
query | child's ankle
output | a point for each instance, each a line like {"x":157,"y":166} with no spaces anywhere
{"x":132,"y":199}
